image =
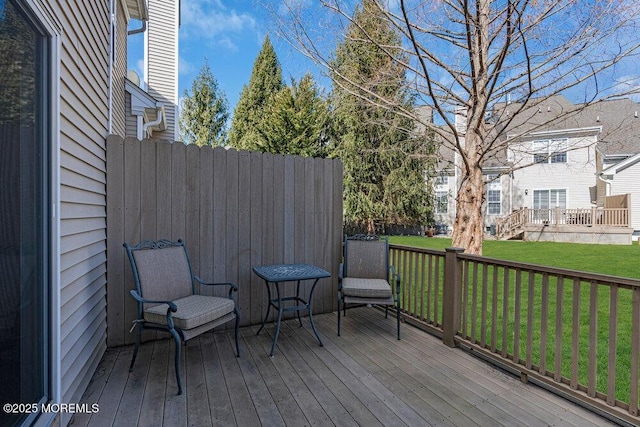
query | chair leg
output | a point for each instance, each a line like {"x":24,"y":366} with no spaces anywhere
{"x":236,"y":333}
{"x":398,"y":318}
{"x":177,"y":340}
{"x":339,"y":317}
{"x":386,"y":311}
{"x":135,"y":349}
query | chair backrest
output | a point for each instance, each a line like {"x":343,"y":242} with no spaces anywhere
{"x":161,"y":270}
{"x":366,"y":257}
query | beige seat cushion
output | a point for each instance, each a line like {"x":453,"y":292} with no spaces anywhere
{"x":193,"y":311}
{"x":366,"y":288}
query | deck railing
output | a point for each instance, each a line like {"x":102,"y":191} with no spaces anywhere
{"x":574,"y":332}
{"x":592,"y":217}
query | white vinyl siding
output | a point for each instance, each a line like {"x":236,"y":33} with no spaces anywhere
{"x":628,"y":181}
{"x":162,"y":62}
{"x":120,"y":71}
{"x":575,"y":176}
{"x":83,"y":120}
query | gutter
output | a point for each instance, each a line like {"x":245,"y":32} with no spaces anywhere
{"x":138,"y":30}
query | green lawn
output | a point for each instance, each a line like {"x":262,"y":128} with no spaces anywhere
{"x":613,"y":260}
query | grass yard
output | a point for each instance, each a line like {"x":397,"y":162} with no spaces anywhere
{"x":612,"y":260}
{"x":615,"y":260}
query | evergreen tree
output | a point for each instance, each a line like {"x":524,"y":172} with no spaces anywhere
{"x":296,"y":121}
{"x":384,"y":161}
{"x":204,"y":111}
{"x":265,"y":82}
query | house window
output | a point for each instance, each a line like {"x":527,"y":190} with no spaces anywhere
{"x":442,"y":202}
{"x":549,"y":199}
{"x":494,"y":202}
{"x":550,"y":150}
{"x":442,"y":181}
{"x":24,"y":210}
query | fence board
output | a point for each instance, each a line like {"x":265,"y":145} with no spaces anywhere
{"x":235,"y":210}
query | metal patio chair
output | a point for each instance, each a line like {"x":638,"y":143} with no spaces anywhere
{"x":165,"y":292}
{"x":366,"y":276}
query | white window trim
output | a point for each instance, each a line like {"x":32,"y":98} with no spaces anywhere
{"x":549,"y":149}
{"x":54,"y":30}
{"x":499,"y":190}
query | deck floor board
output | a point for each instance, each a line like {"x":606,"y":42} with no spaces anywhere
{"x":365,"y":377}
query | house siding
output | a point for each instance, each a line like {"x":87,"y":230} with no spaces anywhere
{"x":83,"y":126}
{"x":120,"y":71}
{"x":162,"y":62}
{"x":628,"y":181}
{"x":131,"y":124}
{"x":580,"y":167}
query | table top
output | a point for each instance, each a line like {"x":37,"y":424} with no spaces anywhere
{"x":290,"y":272}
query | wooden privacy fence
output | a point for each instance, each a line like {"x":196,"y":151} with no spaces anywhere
{"x":234,"y":210}
{"x":576,"y":333}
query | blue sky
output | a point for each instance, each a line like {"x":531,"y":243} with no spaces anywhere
{"x":229,"y":34}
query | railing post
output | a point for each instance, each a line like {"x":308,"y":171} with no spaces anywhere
{"x":593,"y":217}
{"x":451,"y":295}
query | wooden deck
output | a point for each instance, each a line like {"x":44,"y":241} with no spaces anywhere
{"x":366,"y":377}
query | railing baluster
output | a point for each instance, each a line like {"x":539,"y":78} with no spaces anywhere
{"x":505,"y":311}
{"x":613,"y":344}
{"x":558,"y":349}
{"x":430,"y":288}
{"x":635,"y":352}
{"x":465,"y":298}
{"x":494,"y":309}
{"x":483,"y":313}
{"x":516,"y":320}
{"x":575,"y":335}
{"x":407,"y":279}
{"x":412,"y":278}
{"x":474,"y":303}
{"x":530,"y":320}
{"x":544,"y":318}
{"x":424,"y":258}
{"x":436,"y":291}
{"x":593,"y":338}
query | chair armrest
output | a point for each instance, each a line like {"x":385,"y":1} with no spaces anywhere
{"x":232,"y":286}
{"x":395,"y":274}
{"x":138,"y":298}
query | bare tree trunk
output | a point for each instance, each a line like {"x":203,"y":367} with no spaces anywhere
{"x":468,"y":225}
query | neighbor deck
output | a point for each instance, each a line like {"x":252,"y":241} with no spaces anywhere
{"x":366,"y":377}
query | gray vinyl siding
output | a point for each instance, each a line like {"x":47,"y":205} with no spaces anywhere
{"x":83,"y":108}
{"x":162,"y":65}
{"x":130,"y":120}
{"x":120,"y":71}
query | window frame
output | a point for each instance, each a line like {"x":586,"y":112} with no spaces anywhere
{"x":550,"y":151}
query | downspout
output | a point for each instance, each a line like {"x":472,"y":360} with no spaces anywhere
{"x":607,"y":186}
{"x":138,"y":30}
{"x":157,"y":121}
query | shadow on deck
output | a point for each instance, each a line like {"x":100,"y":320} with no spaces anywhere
{"x":366,"y":377}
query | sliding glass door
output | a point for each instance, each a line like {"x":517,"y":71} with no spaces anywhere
{"x":24,"y":210}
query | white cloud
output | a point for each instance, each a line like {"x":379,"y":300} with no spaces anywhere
{"x":209,"y":19}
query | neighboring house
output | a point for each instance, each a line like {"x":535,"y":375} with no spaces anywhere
{"x":64,"y":92}
{"x":623,"y":177}
{"x":559,"y":155}
{"x":152,"y":103}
